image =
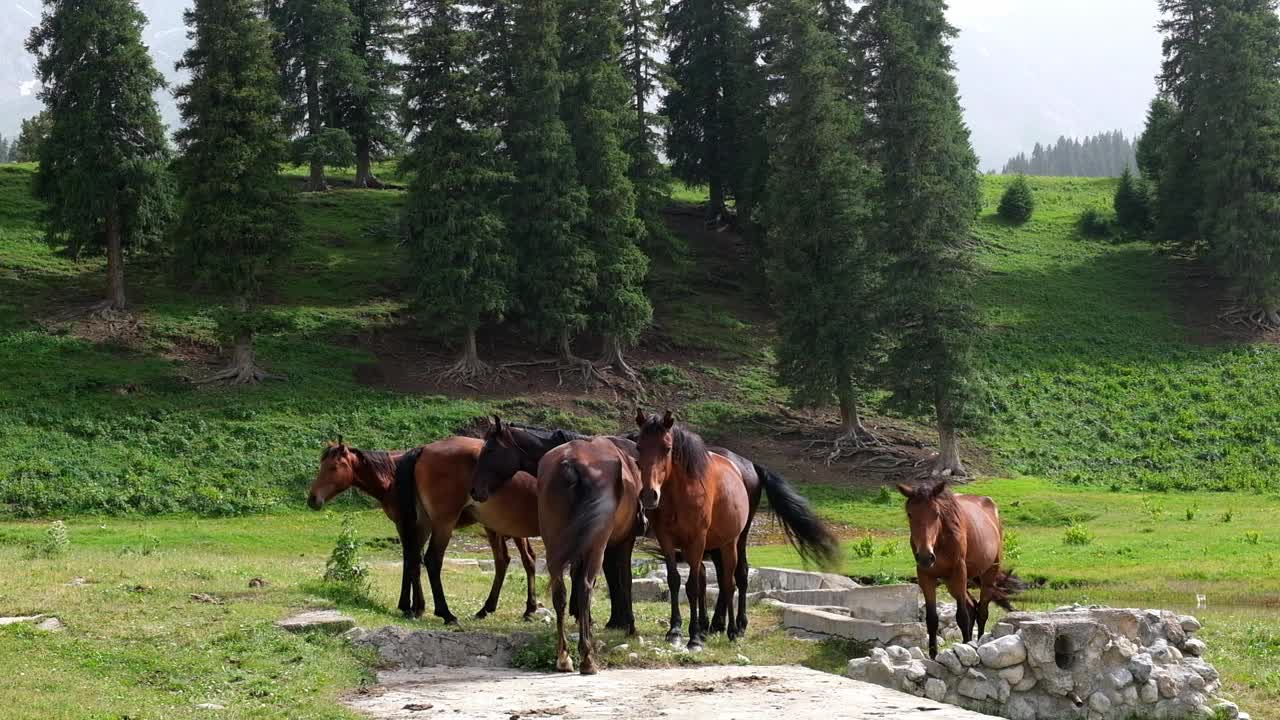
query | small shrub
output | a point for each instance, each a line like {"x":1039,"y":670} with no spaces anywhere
{"x":1095,"y":224}
{"x":1191,"y":513}
{"x":345,"y":567}
{"x":55,"y":542}
{"x":666,"y":375}
{"x":149,"y":545}
{"x":539,"y":654}
{"x":889,"y":548}
{"x":864,"y":548}
{"x":1253,"y":537}
{"x":1132,"y":204}
{"x":1228,"y":516}
{"x":1077,"y":534}
{"x":1012,"y":545}
{"x":1018,"y":203}
{"x":886,"y":496}
{"x":1154,"y":509}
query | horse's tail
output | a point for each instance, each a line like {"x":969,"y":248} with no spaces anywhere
{"x":1007,"y":585}
{"x":407,"y":498}
{"x":805,"y":530}
{"x":591,"y":508}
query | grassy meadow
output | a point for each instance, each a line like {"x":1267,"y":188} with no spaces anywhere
{"x":1132,"y":457}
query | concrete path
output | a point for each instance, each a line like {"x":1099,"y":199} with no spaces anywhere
{"x":700,"y":693}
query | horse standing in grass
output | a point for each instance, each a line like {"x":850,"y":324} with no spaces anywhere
{"x":958,"y":539}
{"x":424,"y":491}
{"x":696,"y":500}
{"x":587,"y":503}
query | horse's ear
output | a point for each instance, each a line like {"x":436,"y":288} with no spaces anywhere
{"x":497,"y":424}
{"x":906,"y":490}
{"x":668,"y":420}
{"x":640,"y":418}
{"x":340,"y":442}
{"x":938,"y":489}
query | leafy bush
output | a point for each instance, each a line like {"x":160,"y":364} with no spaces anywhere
{"x":1095,"y":224}
{"x":1012,"y":545}
{"x":1077,"y":534}
{"x":55,"y":542}
{"x":345,"y":568}
{"x":1191,"y":512}
{"x":1018,"y":203}
{"x":864,"y":548}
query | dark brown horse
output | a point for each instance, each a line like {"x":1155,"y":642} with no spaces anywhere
{"x":424,"y":491}
{"x":958,"y":539}
{"x":587,"y":491}
{"x":695,"y":500}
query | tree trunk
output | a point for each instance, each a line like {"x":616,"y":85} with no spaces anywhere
{"x":316,"y":180}
{"x":948,"y":462}
{"x":850,"y":418}
{"x":364,"y":167}
{"x":115,"y":262}
{"x":716,"y":209}
{"x":566,"y":348}
{"x":614,"y":358}
{"x":469,"y":368}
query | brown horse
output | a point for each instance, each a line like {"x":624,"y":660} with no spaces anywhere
{"x":424,"y":491}
{"x":695,"y":500}
{"x":958,"y":539}
{"x":587,"y":491}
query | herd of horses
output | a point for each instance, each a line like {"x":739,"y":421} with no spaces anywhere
{"x":591,"y":498}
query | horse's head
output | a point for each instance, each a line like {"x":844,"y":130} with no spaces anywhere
{"x":500,"y":459}
{"x":654,"y":448}
{"x":925,"y":513}
{"x":337,"y":473}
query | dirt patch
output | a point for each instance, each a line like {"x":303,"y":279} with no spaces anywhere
{"x":1202,"y":298}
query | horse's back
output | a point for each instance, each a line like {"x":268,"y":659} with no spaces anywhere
{"x":986,"y":537}
{"x":732,"y":502}
{"x":443,"y":474}
{"x":747,"y":469}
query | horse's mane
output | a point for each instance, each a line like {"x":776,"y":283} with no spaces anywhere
{"x":380,"y":462}
{"x":687,"y":448}
{"x":558,"y":436}
{"x":944,"y":502}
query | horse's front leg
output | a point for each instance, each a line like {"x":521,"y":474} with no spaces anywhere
{"x":716,"y":623}
{"x":527,"y":559}
{"x":673,"y":586}
{"x":696,"y":589}
{"x":435,"y":562}
{"x":929,"y":587}
{"x":501,"y":561}
{"x":958,"y":585}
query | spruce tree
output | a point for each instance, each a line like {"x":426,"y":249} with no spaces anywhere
{"x":1132,"y":206}
{"x":1018,"y":203}
{"x":102,"y":159}
{"x":368,"y":107}
{"x":710,"y":50}
{"x":822,"y":261}
{"x":236,"y":216}
{"x":1240,"y":165}
{"x":453,"y":217}
{"x":929,"y":198}
{"x":32,"y":132}
{"x":595,"y":106}
{"x":644,"y":70}
{"x":1150,"y":151}
{"x":548,"y":205}
{"x":315,"y":41}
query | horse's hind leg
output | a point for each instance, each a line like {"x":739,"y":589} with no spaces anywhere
{"x":501,"y":560}
{"x":728,"y":582}
{"x":958,"y":584}
{"x":583,"y":577}
{"x":525,"y":548}
{"x":617,"y":575}
{"x":564,"y":663}
{"x":988,"y":580}
{"x":435,"y":561}
{"x":743,"y":578}
{"x":716,"y":623}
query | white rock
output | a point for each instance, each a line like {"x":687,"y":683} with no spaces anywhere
{"x":1028,"y":683}
{"x":934,"y":668}
{"x":976,"y":686}
{"x":1227,"y":709}
{"x":1013,"y":675}
{"x":1021,"y":708}
{"x":52,"y":624}
{"x":916,"y":653}
{"x":898,"y":654}
{"x":1168,"y":686}
{"x":1129,"y":695}
{"x":966,"y":654}
{"x":743,"y":659}
{"x":1195,"y":647}
{"x":633,"y":656}
{"x":329,"y":621}
{"x":1195,"y":682}
{"x":916,"y":672}
{"x":1099,"y":702}
{"x":624,"y":647}
{"x":210,"y":706}
{"x":1189,"y":624}
{"x":1140,"y":666}
{"x":1149,"y":692}
{"x":1119,"y":678}
{"x":1003,"y":652}
{"x":948,"y":659}
{"x":935,"y":689}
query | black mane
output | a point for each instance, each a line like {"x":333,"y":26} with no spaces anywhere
{"x":552,"y":438}
{"x":687,"y":448}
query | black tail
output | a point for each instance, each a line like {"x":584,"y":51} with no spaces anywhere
{"x":407,"y":496}
{"x":1007,"y":585}
{"x":805,"y":530}
{"x":590,"y":509}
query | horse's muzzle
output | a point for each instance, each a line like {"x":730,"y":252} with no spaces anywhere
{"x":314,"y":502}
{"x":925,"y":559}
{"x":649,"y":499}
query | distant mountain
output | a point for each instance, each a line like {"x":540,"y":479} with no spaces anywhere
{"x":1027,"y":70}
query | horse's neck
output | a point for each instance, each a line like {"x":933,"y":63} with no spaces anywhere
{"x":378,"y":484}
{"x":956,"y":528}
{"x":534,"y":448}
{"x":686,"y":484}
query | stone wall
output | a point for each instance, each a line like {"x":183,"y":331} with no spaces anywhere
{"x":1074,"y":663}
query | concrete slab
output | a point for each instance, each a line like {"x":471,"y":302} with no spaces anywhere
{"x":704,"y":693}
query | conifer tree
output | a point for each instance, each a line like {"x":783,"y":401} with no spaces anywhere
{"x":102,"y":159}
{"x":822,"y":263}
{"x":319,"y":68}
{"x":368,"y":107}
{"x":710,"y":48}
{"x":32,"y":132}
{"x":1017,"y":203}
{"x":1150,"y":151}
{"x":644,"y":70}
{"x":1240,"y":165}
{"x":453,"y":219}
{"x":1132,"y":206}
{"x":929,"y":198}
{"x":595,"y":106}
{"x":548,"y":204}
{"x":236,"y":216}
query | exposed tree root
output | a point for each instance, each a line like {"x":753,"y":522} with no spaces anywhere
{"x":614,"y":360}
{"x":1253,"y":317}
{"x":857,"y":439}
{"x":471,"y":371}
{"x":243,"y":370}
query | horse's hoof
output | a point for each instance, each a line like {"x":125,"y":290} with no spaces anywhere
{"x":716,"y":628}
{"x":482,"y":614}
{"x":564,"y":664}
{"x":589,"y":667}
{"x":695,"y":645}
{"x":450,"y":620}
{"x":742,"y":627}
{"x":674,"y":636}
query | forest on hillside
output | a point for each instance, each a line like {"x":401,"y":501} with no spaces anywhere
{"x":1106,"y":154}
